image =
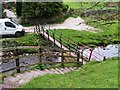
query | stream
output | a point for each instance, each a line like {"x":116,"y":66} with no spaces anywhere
{"x":108,"y":51}
{"x":98,"y":53}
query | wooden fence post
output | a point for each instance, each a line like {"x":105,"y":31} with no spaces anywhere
{"x":82,"y":56}
{"x":104,"y":58}
{"x":68,"y":43}
{"x":54,"y":37}
{"x":17,"y":65}
{"x":91,"y":50}
{"x":62,"y":61}
{"x":78,"y":57}
{"x":61,"y":40}
{"x":39,"y":54}
{"x":48,"y":34}
{"x":34,"y":30}
{"x":39,"y":28}
{"x":42,"y":29}
{"x":17,"y":60}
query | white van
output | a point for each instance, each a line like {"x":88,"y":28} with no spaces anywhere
{"x":8,"y":27}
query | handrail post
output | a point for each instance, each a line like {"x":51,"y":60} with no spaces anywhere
{"x":39,"y":28}
{"x":104,"y":58}
{"x":82,"y":56}
{"x":43,"y":30}
{"x":40,"y":57}
{"x":69,"y":43}
{"x":91,"y":50}
{"x":17,"y":59}
{"x":61,"y":40}
{"x":34,"y":30}
{"x":78,"y":57}
{"x":39,"y":54}
{"x":54,"y":37}
{"x":48,"y":34}
{"x":62,"y":58}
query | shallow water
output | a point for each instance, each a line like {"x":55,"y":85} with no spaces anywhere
{"x":108,"y":51}
{"x":98,"y":54}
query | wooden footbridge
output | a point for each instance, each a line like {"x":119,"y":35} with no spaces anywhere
{"x":66,"y":50}
{"x":45,"y":32}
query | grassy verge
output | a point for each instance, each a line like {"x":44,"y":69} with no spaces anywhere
{"x":39,"y":66}
{"x":26,"y":40}
{"x":91,"y":75}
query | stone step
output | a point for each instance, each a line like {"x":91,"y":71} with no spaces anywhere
{"x":77,"y":69}
{"x":26,"y":75}
{"x":47,"y":71}
{"x":61,"y":72}
{"x":68,"y":70}
{"x":22,"y":78}
{"x":54,"y":71}
{"x":38,"y":73}
{"x":74,"y":68}
{"x":71,"y":68}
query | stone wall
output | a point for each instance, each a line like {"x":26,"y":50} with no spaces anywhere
{"x":94,"y":12}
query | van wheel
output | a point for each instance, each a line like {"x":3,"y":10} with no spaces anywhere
{"x":17,"y":34}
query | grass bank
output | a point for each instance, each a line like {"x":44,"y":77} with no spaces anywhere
{"x":29,"y":39}
{"x":108,"y":35}
{"x":93,"y":5}
{"x":91,"y":75}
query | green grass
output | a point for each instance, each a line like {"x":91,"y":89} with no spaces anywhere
{"x":91,"y":75}
{"x":55,"y":66}
{"x":87,"y":5}
{"x":27,"y":40}
{"x":108,"y":35}
{"x":26,"y":24}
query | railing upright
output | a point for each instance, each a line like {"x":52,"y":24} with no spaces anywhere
{"x":17,"y":59}
{"x":62,"y":58}
{"x":61,"y":40}
{"x":54,"y":38}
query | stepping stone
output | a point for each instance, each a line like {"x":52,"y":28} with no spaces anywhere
{"x":59,"y":71}
{"x":54,"y":71}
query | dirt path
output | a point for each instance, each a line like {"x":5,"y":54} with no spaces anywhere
{"x":70,"y":23}
{"x":23,"y":78}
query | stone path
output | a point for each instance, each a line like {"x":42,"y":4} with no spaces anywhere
{"x":70,"y":23}
{"x":22,"y":78}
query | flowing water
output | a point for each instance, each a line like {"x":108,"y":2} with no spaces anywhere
{"x":98,"y":54}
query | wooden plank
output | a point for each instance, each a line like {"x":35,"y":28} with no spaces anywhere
{"x":20,"y":56}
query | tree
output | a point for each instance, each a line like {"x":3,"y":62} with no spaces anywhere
{"x":19,"y":8}
{"x":42,"y":9}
